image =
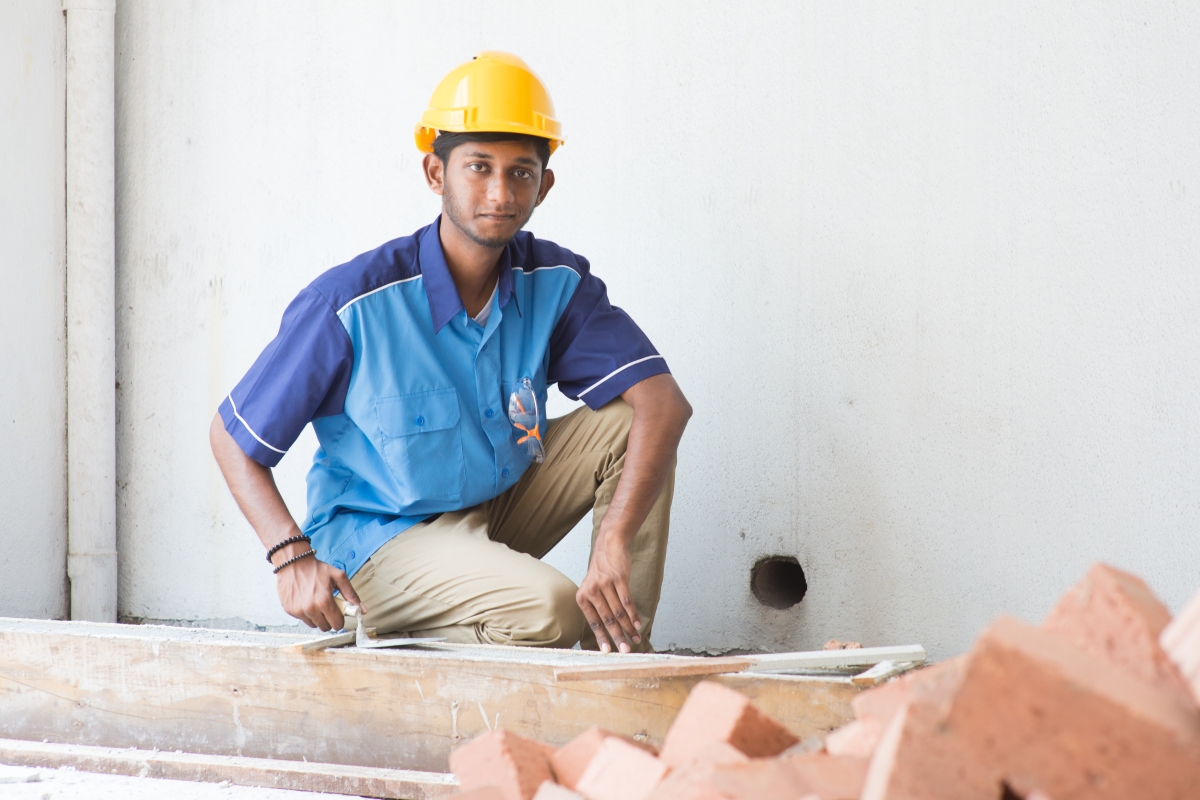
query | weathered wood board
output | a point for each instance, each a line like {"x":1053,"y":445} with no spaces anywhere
{"x":393,"y":784}
{"x":243,"y":694}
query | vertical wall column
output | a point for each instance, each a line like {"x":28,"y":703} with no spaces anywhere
{"x":91,"y":313}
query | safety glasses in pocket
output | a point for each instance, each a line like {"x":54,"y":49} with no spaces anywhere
{"x":525,"y":416}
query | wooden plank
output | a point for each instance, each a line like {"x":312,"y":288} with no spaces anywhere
{"x":394,"y":784}
{"x":618,"y":668}
{"x":242,"y":694}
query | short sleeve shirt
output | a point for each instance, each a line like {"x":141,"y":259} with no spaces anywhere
{"x":408,"y":396}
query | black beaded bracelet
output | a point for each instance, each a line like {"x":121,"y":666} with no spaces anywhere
{"x":293,"y":560}
{"x":285,"y":543}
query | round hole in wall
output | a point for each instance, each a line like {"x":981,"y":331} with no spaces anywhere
{"x":778,"y":581}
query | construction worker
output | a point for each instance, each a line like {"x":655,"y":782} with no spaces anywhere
{"x":423,"y":367}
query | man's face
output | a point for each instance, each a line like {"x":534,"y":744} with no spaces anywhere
{"x":489,"y":189}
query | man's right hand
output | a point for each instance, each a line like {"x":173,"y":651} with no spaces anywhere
{"x":306,"y":590}
{"x":305,"y":587}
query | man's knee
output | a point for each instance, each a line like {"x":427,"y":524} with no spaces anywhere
{"x":561,"y":622}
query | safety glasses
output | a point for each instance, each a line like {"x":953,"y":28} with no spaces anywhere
{"x":525,"y":416}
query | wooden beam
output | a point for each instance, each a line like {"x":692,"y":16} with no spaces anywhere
{"x":393,"y":784}
{"x":235,"y":693}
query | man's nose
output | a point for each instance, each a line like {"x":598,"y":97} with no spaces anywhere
{"x":499,"y":191}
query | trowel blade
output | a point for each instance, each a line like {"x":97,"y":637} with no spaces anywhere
{"x":363,"y":639}
{"x":399,"y":642}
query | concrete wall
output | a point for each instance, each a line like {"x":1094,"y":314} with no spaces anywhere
{"x":927,"y":274}
{"x":33,"y":536}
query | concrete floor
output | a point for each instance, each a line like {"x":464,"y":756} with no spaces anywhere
{"x":28,"y":783}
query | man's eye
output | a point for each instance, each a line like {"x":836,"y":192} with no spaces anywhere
{"x":476,"y":167}
{"x":523,"y":174}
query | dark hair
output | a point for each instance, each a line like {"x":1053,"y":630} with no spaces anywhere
{"x":447,"y":141}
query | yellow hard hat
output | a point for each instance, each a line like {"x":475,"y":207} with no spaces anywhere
{"x":495,"y":93}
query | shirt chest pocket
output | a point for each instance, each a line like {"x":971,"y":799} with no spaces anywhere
{"x":421,"y":441}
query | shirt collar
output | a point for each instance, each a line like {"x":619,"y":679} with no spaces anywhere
{"x":444,"y":300}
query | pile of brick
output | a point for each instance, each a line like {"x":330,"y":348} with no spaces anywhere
{"x":1102,"y":700}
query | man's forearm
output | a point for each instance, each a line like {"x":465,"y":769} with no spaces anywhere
{"x":660,"y":414}
{"x":305,"y":586}
{"x":253,"y":487}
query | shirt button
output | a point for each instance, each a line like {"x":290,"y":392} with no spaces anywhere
{"x":504,"y":473}
{"x":420,"y":420}
{"x":489,"y":413}
{"x":352,"y":554}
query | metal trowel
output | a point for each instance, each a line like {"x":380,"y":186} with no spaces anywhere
{"x":365,"y":637}
{"x":361,"y":636}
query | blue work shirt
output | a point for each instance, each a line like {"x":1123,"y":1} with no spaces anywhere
{"x":408,"y":395}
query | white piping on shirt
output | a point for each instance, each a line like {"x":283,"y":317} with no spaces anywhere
{"x":246,"y":425}
{"x":606,"y":377}
{"x":368,"y":294}
{"x":557,"y":266}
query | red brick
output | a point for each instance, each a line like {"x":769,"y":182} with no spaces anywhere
{"x":1113,"y":615}
{"x":1181,"y":641}
{"x":876,"y":707}
{"x":936,"y":683}
{"x":620,"y":771}
{"x":757,"y":778}
{"x":917,"y":759}
{"x":570,"y":760}
{"x":857,"y":739}
{"x":834,"y":644}
{"x":689,"y":783}
{"x":1036,"y":712}
{"x":827,"y":776}
{"x":693,"y":781}
{"x":713,"y":713}
{"x":552,"y":791}
{"x":480,"y":793}
{"x":1045,"y":715}
{"x":517,"y":766}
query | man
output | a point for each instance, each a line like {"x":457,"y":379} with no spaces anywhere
{"x":423,"y":367}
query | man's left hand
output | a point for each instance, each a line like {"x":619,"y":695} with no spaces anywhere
{"x":604,"y":595}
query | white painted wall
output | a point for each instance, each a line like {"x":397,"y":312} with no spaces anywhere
{"x":33,"y":536}
{"x":928,"y":275}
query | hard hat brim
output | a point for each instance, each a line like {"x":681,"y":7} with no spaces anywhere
{"x":492,"y":93}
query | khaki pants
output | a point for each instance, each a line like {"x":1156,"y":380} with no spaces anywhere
{"x":474,"y":576}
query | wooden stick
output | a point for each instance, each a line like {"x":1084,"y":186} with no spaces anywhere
{"x":683,"y":666}
{"x":837,"y":659}
{"x":881,"y":672}
{"x":297,"y":775}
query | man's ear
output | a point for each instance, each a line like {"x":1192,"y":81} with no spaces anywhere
{"x":435,"y":172}
{"x":547,"y":185}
